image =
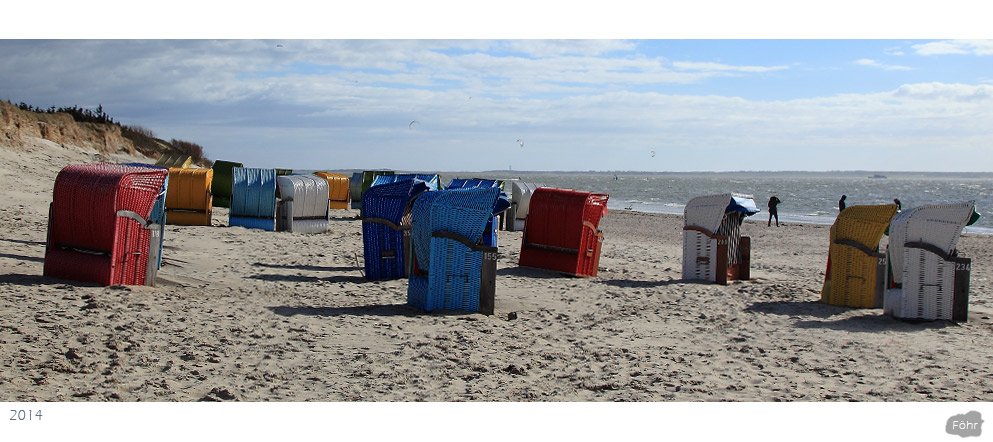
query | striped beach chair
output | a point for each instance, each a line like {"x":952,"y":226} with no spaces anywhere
{"x":339,"y":196}
{"x":562,"y":231}
{"x":100,"y":228}
{"x":713,"y":248}
{"x":303,"y":206}
{"x":189,"y":201}
{"x":220,"y":187}
{"x":450,"y":267}
{"x":386,"y":211}
{"x":856,"y":270}
{"x":929,"y":280}
{"x":253,"y":198}
{"x":520,"y":201}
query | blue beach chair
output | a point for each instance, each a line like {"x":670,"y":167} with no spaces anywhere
{"x":501,"y":204}
{"x":386,"y":227}
{"x":433,"y":181}
{"x":450,"y":268}
{"x":253,"y":198}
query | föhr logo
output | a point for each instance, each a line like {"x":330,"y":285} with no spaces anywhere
{"x":965,"y":425}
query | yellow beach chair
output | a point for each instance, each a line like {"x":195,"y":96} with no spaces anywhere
{"x":339,"y":196}
{"x":856,"y":270}
{"x":175,"y":160}
{"x":188,"y":201}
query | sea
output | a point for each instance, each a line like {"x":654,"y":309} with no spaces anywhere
{"x":807,"y":197}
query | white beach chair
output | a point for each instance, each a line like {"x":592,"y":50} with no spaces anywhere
{"x":520,"y":201}
{"x":713,"y":248}
{"x":303,"y":206}
{"x":929,"y":281}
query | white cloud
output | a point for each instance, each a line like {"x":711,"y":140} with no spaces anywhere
{"x":875,"y":64}
{"x":959,"y":47}
{"x":710,"y":66}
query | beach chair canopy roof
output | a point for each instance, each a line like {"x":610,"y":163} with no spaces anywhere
{"x":743,"y":204}
{"x":432,"y":181}
{"x":309,"y":194}
{"x":708,"y":211}
{"x":501,"y":204}
{"x":939,"y":225}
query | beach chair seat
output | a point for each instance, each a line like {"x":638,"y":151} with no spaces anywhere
{"x":929,"y":280}
{"x":253,"y":198}
{"x":713,"y":248}
{"x":562,"y":232}
{"x":856,"y":270}
{"x":189,"y":201}
{"x":501,"y":206}
{"x":100,"y":228}
{"x":303,"y":206}
{"x":174,"y":160}
{"x":450,"y":268}
{"x":386,"y":212}
{"x":339,"y":194}
{"x":520,"y":201}
{"x":220,"y":186}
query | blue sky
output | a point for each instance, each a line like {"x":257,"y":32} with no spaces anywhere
{"x":578,"y":104}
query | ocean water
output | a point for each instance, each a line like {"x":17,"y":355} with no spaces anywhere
{"x":806,"y":197}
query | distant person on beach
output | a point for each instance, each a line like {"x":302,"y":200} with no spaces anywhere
{"x":773,"y":212}
{"x":899,"y":206}
{"x":841,"y":203}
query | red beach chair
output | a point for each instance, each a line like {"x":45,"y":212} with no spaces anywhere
{"x":98,"y":228}
{"x":561,"y":232}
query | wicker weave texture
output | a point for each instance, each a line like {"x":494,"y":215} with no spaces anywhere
{"x":222,"y":182}
{"x":87,"y":240}
{"x":851,"y":274}
{"x":189,"y":201}
{"x":253,"y":198}
{"x":339,"y":196}
{"x":453,"y":270}
{"x":561,"y":232}
{"x":383,"y":210}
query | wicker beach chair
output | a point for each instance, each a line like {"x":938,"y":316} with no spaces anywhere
{"x":562,"y":231}
{"x":450,"y":268}
{"x":158,"y":215}
{"x":339,"y":195}
{"x":253,"y":198}
{"x":303,"y":207}
{"x":361,"y":182}
{"x":175,"y":160}
{"x":189,"y":202}
{"x":501,"y":206}
{"x":220,"y":187}
{"x":386,"y":215}
{"x":99,"y":227}
{"x":929,"y":279}
{"x":713,"y":248}
{"x":856,"y":270}
{"x":520,"y":201}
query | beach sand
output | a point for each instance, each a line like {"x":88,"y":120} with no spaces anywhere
{"x":248,"y":315}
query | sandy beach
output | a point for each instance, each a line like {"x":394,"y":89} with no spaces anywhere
{"x":248,"y":315}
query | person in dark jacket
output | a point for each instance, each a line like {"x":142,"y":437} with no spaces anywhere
{"x":841,"y":203}
{"x":773,"y":212}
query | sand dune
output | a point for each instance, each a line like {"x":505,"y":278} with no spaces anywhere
{"x":246,"y":315}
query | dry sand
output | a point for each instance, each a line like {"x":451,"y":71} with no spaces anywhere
{"x":247,"y":315}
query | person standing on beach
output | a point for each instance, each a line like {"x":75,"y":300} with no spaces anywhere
{"x":773,"y":212}
{"x":841,"y":203}
{"x":899,"y":206}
